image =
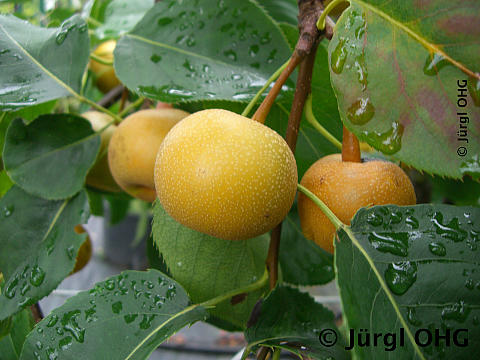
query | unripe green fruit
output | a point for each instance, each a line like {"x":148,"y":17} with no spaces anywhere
{"x":225,"y":175}
{"x":345,"y":187}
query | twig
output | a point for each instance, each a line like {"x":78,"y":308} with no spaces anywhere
{"x":123,"y":99}
{"x":36,"y":312}
{"x":111,"y":97}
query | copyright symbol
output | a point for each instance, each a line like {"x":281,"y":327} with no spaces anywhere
{"x":327,"y":337}
{"x":462,"y":151}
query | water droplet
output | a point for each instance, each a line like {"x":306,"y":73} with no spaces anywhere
{"x":473,"y":86}
{"x":253,"y":50}
{"x":70,"y":324}
{"x":110,"y":284}
{"x":188,"y":66}
{"x":130,"y":318}
{"x":469,"y":284}
{"x":400,"y":276}
{"x":191,"y":42}
{"x":164,"y":21}
{"x":265,"y":39}
{"x":361,"y":111}
{"x":37,"y":276}
{"x":52,"y":354}
{"x":361,"y":71}
{"x":65,"y":343}
{"x":117,"y":307}
{"x":458,"y":312}
{"x":39,"y":345}
{"x":226,"y":27}
{"x":339,"y":56}
{"x":236,"y":77}
{"x":25,"y":288}
{"x":71,"y":252}
{"x":434,"y":63}
{"x":11,"y":288}
{"x":451,"y":230}
{"x":90,"y":314}
{"x":412,"y":317}
{"x":146,"y":322}
{"x":393,"y":243}
{"x":82,"y":28}
{"x":232,"y":55}
{"x":61,"y":36}
{"x":60,"y":331}
{"x":388,"y":142}
{"x":4,"y":51}
{"x":375,"y":219}
{"x":437,"y":248}
{"x":155,"y":58}
{"x":8,"y":210}
{"x":412,"y":222}
{"x":52,"y":320}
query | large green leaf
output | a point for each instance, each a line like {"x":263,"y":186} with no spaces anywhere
{"x":292,"y":320}
{"x":121,"y":16}
{"x":395,"y":67}
{"x":302,"y":261}
{"x":124,"y":317}
{"x":39,"y":245}
{"x":414,"y":268}
{"x":209,"y":267}
{"x":38,"y":64}
{"x":21,"y":325}
{"x":51,"y":156}
{"x":283,"y":11}
{"x":203,"y":49}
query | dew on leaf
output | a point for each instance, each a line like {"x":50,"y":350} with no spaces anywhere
{"x":451,"y":230}
{"x":361,"y":111}
{"x":25,"y":288}
{"x":110,"y":284}
{"x":65,"y":343}
{"x":70,"y":324}
{"x":155,"y":58}
{"x":52,"y":321}
{"x":146,"y":322}
{"x":393,"y":243}
{"x":52,"y":354}
{"x":71,"y":252}
{"x":412,"y":222}
{"x":339,"y":56}
{"x":230,"y":54}
{"x":437,"y":248}
{"x":469,"y":284}
{"x":458,"y":312}
{"x":412,"y":317}
{"x":434,"y":63}
{"x":117,"y":307}
{"x":473,"y":86}
{"x":374,"y":219}
{"x":8,"y":210}
{"x":253,"y":50}
{"x":361,"y":71}
{"x":11,"y":288}
{"x":401,"y":276}
{"x":164,"y":21}
{"x":265,"y":39}
{"x":388,"y":142}
{"x":59,"y":331}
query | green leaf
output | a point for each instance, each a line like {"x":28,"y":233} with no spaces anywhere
{"x":283,"y":11}
{"x":422,"y":267}
{"x":39,"y":245}
{"x":208,"y":267}
{"x":396,"y":68}
{"x":30,"y":113}
{"x":51,"y":156}
{"x":200,"y":50}
{"x":302,"y":261}
{"x":21,"y":325}
{"x":464,"y":193}
{"x":124,"y":317}
{"x":292,"y":320}
{"x":121,"y":16}
{"x":5,"y":183}
{"x":38,"y":64}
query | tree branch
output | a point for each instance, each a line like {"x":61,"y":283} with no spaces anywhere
{"x":111,"y":97}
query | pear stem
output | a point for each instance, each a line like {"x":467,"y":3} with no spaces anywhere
{"x":261,"y":114}
{"x":350,"y":147}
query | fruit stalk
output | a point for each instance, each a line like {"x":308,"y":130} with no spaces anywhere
{"x":350,"y":147}
{"x":302,"y":91}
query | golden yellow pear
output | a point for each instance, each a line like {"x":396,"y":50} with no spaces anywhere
{"x":225,"y":175}
{"x":105,"y":77}
{"x":345,"y":187}
{"x":99,"y":175}
{"x":134,"y":146}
